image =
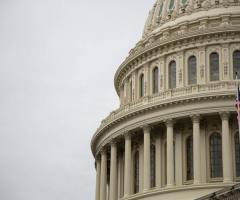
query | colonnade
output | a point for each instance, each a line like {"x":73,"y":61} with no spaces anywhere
{"x":102,"y":193}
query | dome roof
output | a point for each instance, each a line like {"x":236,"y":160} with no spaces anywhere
{"x":165,"y":11}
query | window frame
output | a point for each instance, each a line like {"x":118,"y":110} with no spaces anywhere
{"x":234,"y":71}
{"x":141,"y":85}
{"x":170,"y":75}
{"x":136,"y":173}
{"x":155,"y":80}
{"x":188,"y":70}
{"x":189,"y":181}
{"x":152,"y":166}
{"x":213,"y":179}
{"x":210,"y":66}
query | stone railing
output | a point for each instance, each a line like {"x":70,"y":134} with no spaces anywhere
{"x":168,"y":96}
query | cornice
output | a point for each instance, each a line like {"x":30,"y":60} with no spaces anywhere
{"x":159,"y":119}
{"x":150,"y":105}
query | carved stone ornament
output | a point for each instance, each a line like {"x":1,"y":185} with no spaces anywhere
{"x":225,"y":68}
{"x":180,"y":76}
{"x":202,"y":71}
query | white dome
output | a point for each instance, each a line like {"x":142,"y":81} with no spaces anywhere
{"x":165,"y":11}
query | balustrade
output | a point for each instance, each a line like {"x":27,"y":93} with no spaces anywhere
{"x":171,"y":95}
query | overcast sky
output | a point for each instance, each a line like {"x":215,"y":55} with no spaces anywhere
{"x":57,"y":63}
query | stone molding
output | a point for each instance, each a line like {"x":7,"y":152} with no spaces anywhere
{"x":98,"y":143}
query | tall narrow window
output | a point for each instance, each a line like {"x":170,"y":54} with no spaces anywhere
{"x":236,"y":64}
{"x":172,"y":75}
{"x":141,"y":85}
{"x":214,"y":67}
{"x":216,"y":168}
{"x":165,"y":163}
{"x":189,"y":156}
{"x":192,"y":70}
{"x":155,"y":76}
{"x":237,"y":154}
{"x":130,"y":90}
{"x":136,"y":172}
{"x":153,"y":165}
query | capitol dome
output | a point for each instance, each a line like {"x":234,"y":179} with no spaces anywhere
{"x":175,"y":134}
{"x":185,"y":11}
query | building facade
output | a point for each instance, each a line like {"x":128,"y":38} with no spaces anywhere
{"x":175,"y":134}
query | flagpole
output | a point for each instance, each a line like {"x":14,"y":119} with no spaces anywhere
{"x":238,"y":106}
{"x":238,"y":115}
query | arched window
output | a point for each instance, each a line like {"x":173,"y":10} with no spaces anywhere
{"x":237,"y":154}
{"x":172,"y":75}
{"x":155,"y":76}
{"x":153,"y":165}
{"x":136,"y":172}
{"x":141,"y":85}
{"x":216,"y":169}
{"x":214,"y":66}
{"x":130,"y":90}
{"x":236,"y":63}
{"x":189,"y":156}
{"x":192,"y":70}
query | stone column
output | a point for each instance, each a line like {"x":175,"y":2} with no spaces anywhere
{"x":226,"y":149}
{"x":158,"y":161}
{"x":170,"y":154}
{"x":103,"y":181}
{"x":196,"y":149}
{"x":127,"y":169}
{"x":113,"y":172}
{"x":178,"y":158}
{"x":98,"y":169}
{"x":146,"y":169}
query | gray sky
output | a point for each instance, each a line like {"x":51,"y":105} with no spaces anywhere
{"x":57,"y":63}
